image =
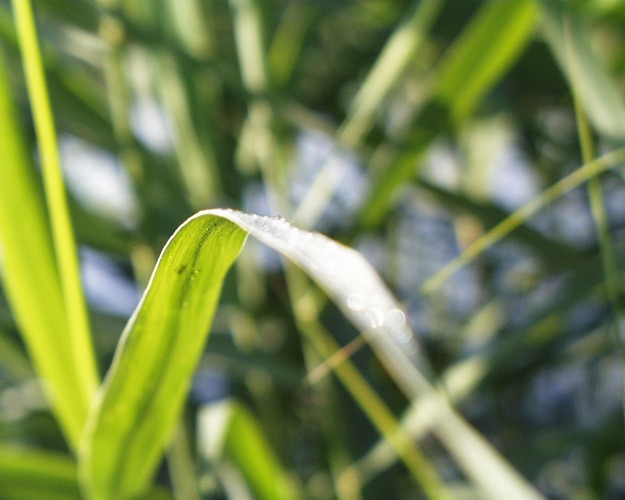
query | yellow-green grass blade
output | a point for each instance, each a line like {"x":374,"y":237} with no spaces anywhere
{"x":144,"y":391}
{"x":26,"y":473}
{"x":484,"y":51}
{"x":405,"y":164}
{"x":196,"y":157}
{"x":235,"y":434}
{"x":288,"y":42}
{"x":82,"y":364}
{"x":74,"y":92}
{"x":247,"y":446}
{"x":30,"y":276}
{"x":555,"y":254}
{"x":595,"y":88}
{"x":250,"y":50}
{"x":595,"y":195}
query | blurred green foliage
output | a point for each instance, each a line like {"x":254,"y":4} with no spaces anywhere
{"x":405,"y":129}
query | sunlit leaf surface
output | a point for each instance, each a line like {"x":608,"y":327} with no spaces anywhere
{"x":147,"y":383}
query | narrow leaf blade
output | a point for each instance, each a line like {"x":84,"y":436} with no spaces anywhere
{"x":483,"y":53}
{"x":145,"y":388}
{"x":29,"y":273}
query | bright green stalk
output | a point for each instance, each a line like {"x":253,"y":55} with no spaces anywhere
{"x":83,"y":360}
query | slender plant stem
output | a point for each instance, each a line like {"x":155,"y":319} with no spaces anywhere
{"x":598,"y":208}
{"x":62,"y":232}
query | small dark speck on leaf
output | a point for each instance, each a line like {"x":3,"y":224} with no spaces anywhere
{"x":181,"y":269}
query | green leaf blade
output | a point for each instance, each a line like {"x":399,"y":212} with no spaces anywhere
{"x":145,"y":389}
{"x":484,"y":52}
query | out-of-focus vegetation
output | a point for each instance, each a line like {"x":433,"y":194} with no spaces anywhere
{"x":470,"y":150}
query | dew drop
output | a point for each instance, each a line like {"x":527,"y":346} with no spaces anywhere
{"x":375,"y":316}
{"x":356,"y":301}
{"x":395,"y":319}
{"x":402,"y":336}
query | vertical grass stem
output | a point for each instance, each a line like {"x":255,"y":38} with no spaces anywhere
{"x":62,"y":233}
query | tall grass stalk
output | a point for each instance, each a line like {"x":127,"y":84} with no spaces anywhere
{"x":84,"y":366}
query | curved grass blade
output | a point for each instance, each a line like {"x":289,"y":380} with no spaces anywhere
{"x":144,"y":391}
